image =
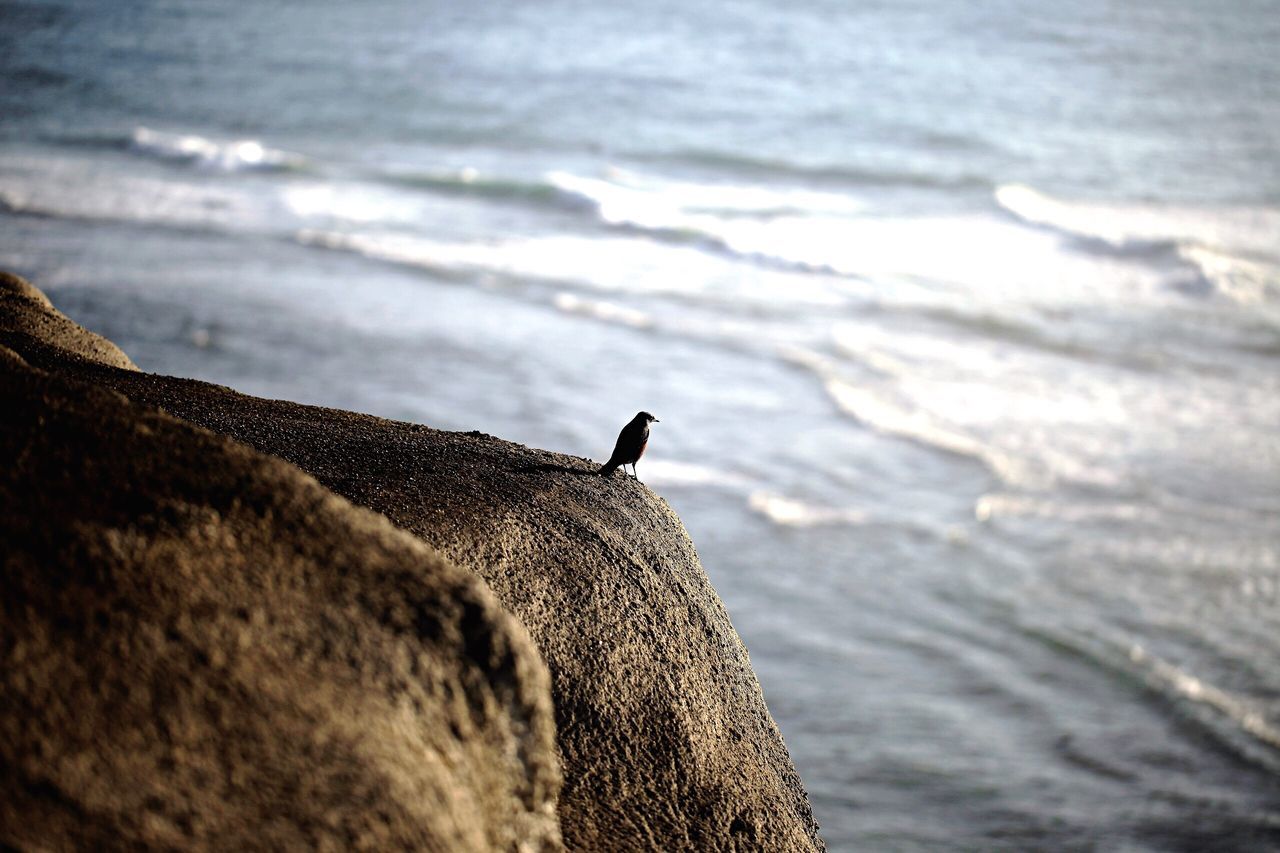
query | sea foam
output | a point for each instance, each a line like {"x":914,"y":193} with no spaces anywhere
{"x":1232,"y":248}
{"x":229,"y":156}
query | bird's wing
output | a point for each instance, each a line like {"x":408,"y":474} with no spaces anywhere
{"x":620,"y":448}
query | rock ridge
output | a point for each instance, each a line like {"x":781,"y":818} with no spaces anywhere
{"x":662,"y":733}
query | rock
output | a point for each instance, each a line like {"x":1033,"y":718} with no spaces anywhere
{"x":26,"y":313}
{"x":201,"y":647}
{"x":663,"y":733}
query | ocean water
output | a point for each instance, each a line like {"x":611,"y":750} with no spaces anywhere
{"x":962,"y":321}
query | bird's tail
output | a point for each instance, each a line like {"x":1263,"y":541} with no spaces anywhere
{"x":607,"y":468}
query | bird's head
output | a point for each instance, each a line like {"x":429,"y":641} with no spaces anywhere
{"x":646,"y":418}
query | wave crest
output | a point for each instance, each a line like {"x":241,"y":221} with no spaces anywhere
{"x":233,"y":156}
{"x":789,"y":512}
{"x":1231,"y":249}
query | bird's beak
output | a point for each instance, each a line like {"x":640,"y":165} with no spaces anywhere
{"x":656,"y":421}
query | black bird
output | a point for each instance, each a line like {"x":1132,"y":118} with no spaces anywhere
{"x":631,"y":444}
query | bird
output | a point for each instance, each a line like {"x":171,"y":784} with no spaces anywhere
{"x":631,"y":444}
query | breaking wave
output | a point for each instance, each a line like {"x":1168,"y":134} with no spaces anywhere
{"x":915,"y":424}
{"x":673,"y":473}
{"x":557,"y":258}
{"x":800,"y":228}
{"x":226,"y":156}
{"x":607,"y":312}
{"x":1231,"y":249}
{"x":1238,"y":723}
{"x":789,"y":512}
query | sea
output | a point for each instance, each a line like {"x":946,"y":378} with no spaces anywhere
{"x":961,"y":321}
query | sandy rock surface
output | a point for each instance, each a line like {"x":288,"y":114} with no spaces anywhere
{"x":201,"y":647}
{"x":663,"y":734}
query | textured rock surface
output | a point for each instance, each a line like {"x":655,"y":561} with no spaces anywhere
{"x":201,"y":647}
{"x":27,"y":315}
{"x":664,"y":736}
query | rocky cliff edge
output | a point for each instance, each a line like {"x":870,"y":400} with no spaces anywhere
{"x":202,"y":639}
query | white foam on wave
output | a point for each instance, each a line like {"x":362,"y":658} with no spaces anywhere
{"x":1245,"y":281}
{"x":353,"y":202}
{"x":994,"y":506}
{"x":229,"y":156}
{"x":1243,"y":724}
{"x":1233,"y":247}
{"x":799,"y":227}
{"x":607,"y":312}
{"x":977,"y":254}
{"x":1241,"y":714}
{"x":1231,"y":227}
{"x":615,"y":264}
{"x":51,"y":186}
{"x":625,"y":197}
{"x":1029,"y":422}
{"x":672,"y":472}
{"x":790,"y":512}
{"x":915,"y":423}
{"x":780,"y":509}
{"x":618,"y":264}
{"x":1110,"y":224}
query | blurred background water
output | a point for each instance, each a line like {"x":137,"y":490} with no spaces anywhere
{"x":962,"y":321}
